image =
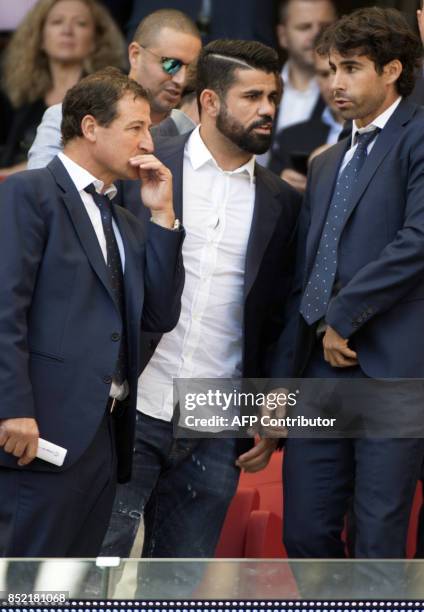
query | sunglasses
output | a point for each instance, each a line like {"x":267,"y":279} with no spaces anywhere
{"x":170,"y":65}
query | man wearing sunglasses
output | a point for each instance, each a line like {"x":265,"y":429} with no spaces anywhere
{"x":165,"y":43}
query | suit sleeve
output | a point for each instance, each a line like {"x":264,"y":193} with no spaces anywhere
{"x":22,"y":240}
{"x":282,"y":364}
{"x":384,"y":282}
{"x":48,"y":140}
{"x":163,"y":280}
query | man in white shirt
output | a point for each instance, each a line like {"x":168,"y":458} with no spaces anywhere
{"x":80,"y":278}
{"x":238,"y":258}
{"x":294,"y":145}
{"x":300,"y":21}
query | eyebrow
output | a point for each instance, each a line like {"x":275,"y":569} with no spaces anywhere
{"x":349,"y":62}
{"x":138,"y":122}
{"x":259,"y":91}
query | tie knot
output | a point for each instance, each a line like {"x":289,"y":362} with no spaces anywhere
{"x":91,"y":189}
{"x":99,"y":198}
{"x":363,"y":139}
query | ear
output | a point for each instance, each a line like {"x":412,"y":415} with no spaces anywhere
{"x":282,"y":35}
{"x":210,"y":102}
{"x":392,"y":71}
{"x":89,"y":127}
{"x":134,"y":54}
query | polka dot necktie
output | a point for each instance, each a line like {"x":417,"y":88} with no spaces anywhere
{"x":116,"y":278}
{"x":319,"y":287}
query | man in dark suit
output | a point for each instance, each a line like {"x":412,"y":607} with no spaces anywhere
{"x":79,"y":277}
{"x":358,"y":307}
{"x":241,"y":220}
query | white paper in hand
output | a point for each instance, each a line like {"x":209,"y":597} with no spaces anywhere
{"x":52,"y":453}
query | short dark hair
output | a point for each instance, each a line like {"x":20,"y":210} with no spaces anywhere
{"x":283,"y":8}
{"x":150,"y":27}
{"x":98,"y":95}
{"x":382,"y":35}
{"x":219,"y":60}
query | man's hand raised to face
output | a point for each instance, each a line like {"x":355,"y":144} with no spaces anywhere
{"x":20,"y":438}
{"x":156,"y":188}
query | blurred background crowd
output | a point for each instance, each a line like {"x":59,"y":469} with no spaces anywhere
{"x":46,"y":46}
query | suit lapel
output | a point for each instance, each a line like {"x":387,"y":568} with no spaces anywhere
{"x":81,"y":222}
{"x":171,"y":154}
{"x":267,"y":209}
{"x":327,"y":175}
{"x":382,"y":147}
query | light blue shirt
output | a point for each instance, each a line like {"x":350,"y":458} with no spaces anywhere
{"x":48,"y":141}
{"x":335,"y":127}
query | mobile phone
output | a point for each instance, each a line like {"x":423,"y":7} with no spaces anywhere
{"x":299,"y":161}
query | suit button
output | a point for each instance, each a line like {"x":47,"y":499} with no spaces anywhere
{"x":107,"y":380}
{"x":115,"y":337}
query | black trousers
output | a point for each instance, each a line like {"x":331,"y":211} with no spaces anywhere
{"x":60,"y":514}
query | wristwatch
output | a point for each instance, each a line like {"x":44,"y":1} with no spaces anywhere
{"x":176,"y":225}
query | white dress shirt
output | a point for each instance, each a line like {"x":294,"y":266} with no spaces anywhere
{"x":379,"y":122}
{"x":207,"y":341}
{"x":296,"y":105}
{"x":82,"y":179}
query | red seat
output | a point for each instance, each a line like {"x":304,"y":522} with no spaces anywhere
{"x":253,"y":526}
{"x":232,"y":541}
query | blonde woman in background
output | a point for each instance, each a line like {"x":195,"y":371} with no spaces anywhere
{"x":58,"y":42}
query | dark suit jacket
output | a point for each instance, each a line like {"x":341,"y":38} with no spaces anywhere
{"x":380,"y":306}
{"x":59,"y":324}
{"x":302,"y":137}
{"x":269,"y":258}
{"x":165,"y":129}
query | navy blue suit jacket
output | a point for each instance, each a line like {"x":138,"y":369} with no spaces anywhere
{"x":59,"y":324}
{"x":380,"y":305}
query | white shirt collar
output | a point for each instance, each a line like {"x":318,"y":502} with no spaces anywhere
{"x":199,"y":155}
{"x":285,"y":75}
{"x":379,"y":122}
{"x":82,"y":177}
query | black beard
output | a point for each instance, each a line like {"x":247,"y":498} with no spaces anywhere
{"x":243,"y":137}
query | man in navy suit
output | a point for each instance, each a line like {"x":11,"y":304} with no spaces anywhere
{"x":358,"y":307}
{"x":80,"y":277}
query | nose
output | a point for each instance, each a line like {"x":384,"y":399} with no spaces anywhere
{"x":67,"y":26}
{"x":180,"y":77}
{"x":146,"y":143}
{"x":267,"y":107}
{"x":337,"y":82}
{"x":315,"y":30}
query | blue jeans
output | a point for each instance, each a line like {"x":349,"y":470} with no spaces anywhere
{"x":183,"y":487}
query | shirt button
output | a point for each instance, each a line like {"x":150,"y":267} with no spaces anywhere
{"x":107,"y":380}
{"x":115,"y":337}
